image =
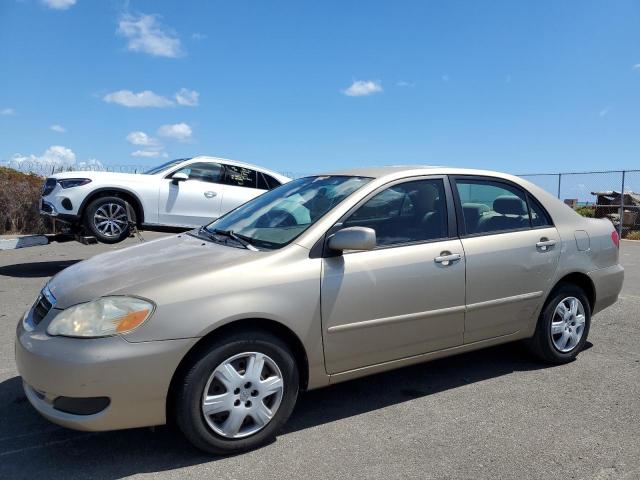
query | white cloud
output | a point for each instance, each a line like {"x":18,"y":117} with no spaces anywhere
{"x":361,"y":88}
{"x":177,"y":131}
{"x":144,"y":99}
{"x":147,"y":35}
{"x":7,"y":111}
{"x":188,"y":98}
{"x":141,"y":138}
{"x":59,"y":4}
{"x":91,"y":164}
{"x":58,"y":128}
{"x":55,"y":155}
{"x":149,"y":154}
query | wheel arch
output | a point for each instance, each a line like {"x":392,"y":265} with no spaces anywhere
{"x":581,"y":280}
{"x":125,"y":194}
{"x":270,"y":326}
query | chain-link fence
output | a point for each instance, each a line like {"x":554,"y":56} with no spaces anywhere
{"x":49,"y":168}
{"x":612,"y":194}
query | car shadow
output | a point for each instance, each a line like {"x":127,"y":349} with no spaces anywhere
{"x":36,"y":269}
{"x":30,"y":445}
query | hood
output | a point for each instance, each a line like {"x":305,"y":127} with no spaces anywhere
{"x":123,"y":271}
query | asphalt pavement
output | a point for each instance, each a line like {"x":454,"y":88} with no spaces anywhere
{"x":493,"y":414}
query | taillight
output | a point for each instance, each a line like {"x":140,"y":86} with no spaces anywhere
{"x":615,"y":238}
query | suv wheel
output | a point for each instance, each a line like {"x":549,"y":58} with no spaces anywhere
{"x":563,"y":325}
{"x":238,"y":393}
{"x":106,"y":218}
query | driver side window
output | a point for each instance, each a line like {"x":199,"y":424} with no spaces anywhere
{"x":405,"y":213}
{"x":202,"y":171}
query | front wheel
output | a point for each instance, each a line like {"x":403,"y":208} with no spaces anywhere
{"x":106,"y":218}
{"x":238,"y":393}
{"x":563,"y":325}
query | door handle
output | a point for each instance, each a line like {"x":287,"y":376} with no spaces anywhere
{"x":210,"y":194}
{"x":544,"y":244}
{"x":447,"y":258}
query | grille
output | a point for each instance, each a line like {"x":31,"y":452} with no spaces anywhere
{"x":40,"y":310}
{"x":48,"y":186}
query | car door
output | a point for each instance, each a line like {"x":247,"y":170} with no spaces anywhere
{"x":241,"y":185}
{"x":192,"y":202}
{"x":405,"y":297}
{"x":512,"y":251}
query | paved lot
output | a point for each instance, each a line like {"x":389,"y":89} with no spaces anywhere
{"x":493,"y":414}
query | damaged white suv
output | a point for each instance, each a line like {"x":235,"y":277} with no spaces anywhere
{"x":181,"y":193}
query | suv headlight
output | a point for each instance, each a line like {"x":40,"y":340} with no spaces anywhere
{"x":73,"y":182}
{"x":102,"y":317}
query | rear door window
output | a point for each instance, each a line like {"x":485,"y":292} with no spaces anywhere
{"x":491,"y":206}
{"x":240,"y":176}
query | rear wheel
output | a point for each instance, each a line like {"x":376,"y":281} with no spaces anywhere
{"x":106,"y":218}
{"x":563,"y":325}
{"x":237,"y":394}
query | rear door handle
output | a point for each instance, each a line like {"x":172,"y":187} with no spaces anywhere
{"x":210,"y":194}
{"x":544,"y":244}
{"x":447,"y":258}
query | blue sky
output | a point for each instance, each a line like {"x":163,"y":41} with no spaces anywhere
{"x":302,"y":86}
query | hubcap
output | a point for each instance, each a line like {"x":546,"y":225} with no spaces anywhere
{"x":110,"y":219}
{"x":242,"y":395}
{"x":567,"y":324}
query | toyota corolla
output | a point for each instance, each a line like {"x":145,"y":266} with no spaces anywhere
{"x":321,"y":280}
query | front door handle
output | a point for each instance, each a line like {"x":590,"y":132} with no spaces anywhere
{"x":210,"y":194}
{"x":545,"y":244}
{"x":447,"y":258}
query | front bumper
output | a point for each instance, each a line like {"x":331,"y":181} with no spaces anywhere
{"x":135,"y":377}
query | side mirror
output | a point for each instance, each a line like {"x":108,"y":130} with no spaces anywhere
{"x":353,"y":238}
{"x":179,"y":177}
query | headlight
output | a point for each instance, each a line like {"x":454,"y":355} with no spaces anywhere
{"x":102,"y":317}
{"x":73,"y":182}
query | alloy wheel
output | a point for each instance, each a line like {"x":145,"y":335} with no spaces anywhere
{"x":110,"y":219}
{"x":567,"y":324}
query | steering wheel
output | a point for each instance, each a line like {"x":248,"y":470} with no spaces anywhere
{"x":276,"y":218}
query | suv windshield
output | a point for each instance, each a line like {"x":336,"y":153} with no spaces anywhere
{"x":165,"y":166}
{"x":277,"y":217}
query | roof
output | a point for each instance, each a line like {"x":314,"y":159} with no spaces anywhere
{"x":399,"y":171}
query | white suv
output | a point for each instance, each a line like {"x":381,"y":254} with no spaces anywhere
{"x":180,"y":193}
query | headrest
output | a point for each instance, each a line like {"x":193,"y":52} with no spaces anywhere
{"x":474,"y":210}
{"x":509,"y":205}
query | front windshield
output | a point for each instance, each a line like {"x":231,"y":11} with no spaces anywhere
{"x":164,"y":166}
{"x":277,"y":217}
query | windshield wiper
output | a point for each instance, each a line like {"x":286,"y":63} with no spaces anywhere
{"x":241,"y":239}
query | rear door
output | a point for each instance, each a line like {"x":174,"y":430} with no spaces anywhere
{"x":193,"y":202}
{"x":240,"y":185}
{"x":512,"y":251}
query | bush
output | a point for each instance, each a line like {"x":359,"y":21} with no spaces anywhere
{"x":20,"y":203}
{"x":633,"y":235}
{"x":587,"y":211}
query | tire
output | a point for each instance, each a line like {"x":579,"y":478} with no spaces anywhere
{"x":548,"y":346}
{"x":208,"y":432}
{"x":113,"y":211}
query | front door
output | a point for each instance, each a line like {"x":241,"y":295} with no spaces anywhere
{"x":512,"y":251}
{"x":404,"y":298}
{"x":192,"y":202}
